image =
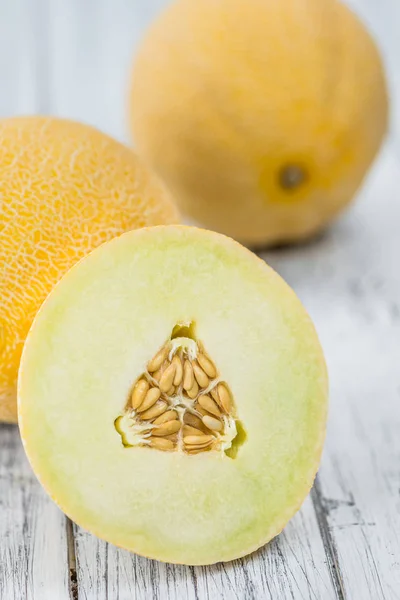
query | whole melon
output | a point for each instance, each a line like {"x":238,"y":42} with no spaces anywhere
{"x":64,"y":189}
{"x":262,"y":116}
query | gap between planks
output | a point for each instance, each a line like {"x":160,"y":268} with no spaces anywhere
{"x":72,"y":570}
{"x":321,"y":515}
{"x":327,"y":540}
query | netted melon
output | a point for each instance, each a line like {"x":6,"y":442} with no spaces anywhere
{"x":64,"y":189}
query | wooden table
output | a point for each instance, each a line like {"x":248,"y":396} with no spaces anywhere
{"x":345,"y":541}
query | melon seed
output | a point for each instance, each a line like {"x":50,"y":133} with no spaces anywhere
{"x":194,"y":390}
{"x":139,"y":392}
{"x":198,"y":439}
{"x":188,"y":375}
{"x":151,"y":398}
{"x":158,"y":359}
{"x":166,"y":428}
{"x":225,"y":397}
{"x":200,"y":375}
{"x":167,"y":378}
{"x":189,"y":430}
{"x":192,"y":420}
{"x":157,"y":409}
{"x":212,"y":423}
{"x":199,"y":446}
{"x":161,"y":444}
{"x":170,"y":415}
{"x":178,"y":370}
{"x":207,"y":365}
{"x":209,"y":405}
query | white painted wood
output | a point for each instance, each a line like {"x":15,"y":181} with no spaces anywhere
{"x":349,"y":280}
{"x":93,"y":44}
{"x":72,"y":58}
{"x":33,"y":550}
{"x":19,"y":58}
{"x":292,"y":566}
{"x":382,"y":18}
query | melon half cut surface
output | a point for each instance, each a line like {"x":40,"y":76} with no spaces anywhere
{"x":173,"y":396}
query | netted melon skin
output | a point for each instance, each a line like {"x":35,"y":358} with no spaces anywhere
{"x":64,"y":189}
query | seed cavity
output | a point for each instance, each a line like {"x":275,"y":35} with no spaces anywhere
{"x":179,"y":403}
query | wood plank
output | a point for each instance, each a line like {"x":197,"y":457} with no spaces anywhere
{"x":382,"y":19}
{"x":18,"y":58}
{"x":349,"y":281}
{"x":92,"y":46}
{"x":291,"y":566}
{"x":33,"y":550}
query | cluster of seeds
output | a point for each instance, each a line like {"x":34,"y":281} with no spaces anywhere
{"x":179,"y":403}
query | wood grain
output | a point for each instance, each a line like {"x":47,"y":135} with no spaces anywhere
{"x":291,"y":566}
{"x":349,"y":281}
{"x":72,"y":58}
{"x":92,"y":47}
{"x":33,"y":551}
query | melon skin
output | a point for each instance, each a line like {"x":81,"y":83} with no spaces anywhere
{"x":64,"y":189}
{"x":89,"y":343}
{"x":240,"y":91}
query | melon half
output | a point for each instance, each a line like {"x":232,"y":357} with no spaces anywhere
{"x":173,"y":396}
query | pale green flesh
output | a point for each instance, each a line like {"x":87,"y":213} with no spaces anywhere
{"x":91,"y":341}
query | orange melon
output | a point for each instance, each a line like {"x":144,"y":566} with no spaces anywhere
{"x":64,"y":189}
{"x":262,"y":116}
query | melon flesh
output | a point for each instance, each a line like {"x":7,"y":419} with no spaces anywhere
{"x":92,"y":340}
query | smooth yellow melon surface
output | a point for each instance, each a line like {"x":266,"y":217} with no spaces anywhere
{"x":64,"y":189}
{"x":101,"y":458}
{"x":262,"y":116}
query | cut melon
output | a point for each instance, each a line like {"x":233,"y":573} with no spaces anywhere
{"x":64,"y":189}
{"x":173,"y":396}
